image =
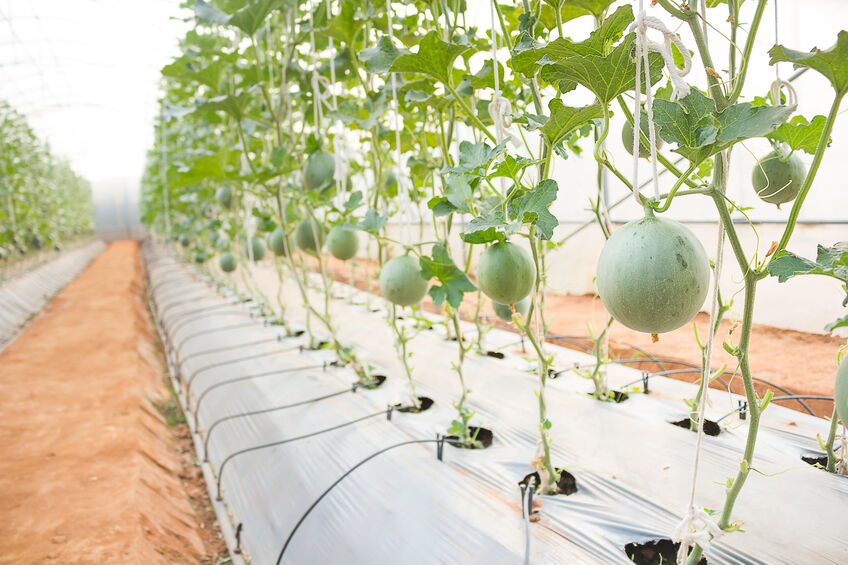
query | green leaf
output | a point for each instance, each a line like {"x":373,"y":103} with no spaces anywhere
{"x":830,"y":261}
{"x":434,"y":58}
{"x":840,"y":323}
{"x":354,"y":200}
{"x":184,"y":68}
{"x":475,"y":157}
{"x":208,"y":13}
{"x":513,"y":166}
{"x":485,"y":78}
{"x":214,"y":166}
{"x":232,"y":105}
{"x":373,"y":222}
{"x":252,"y":16}
{"x":799,"y":134}
{"x":744,"y":121}
{"x":700,"y":131}
{"x":532,"y":208}
{"x":454,"y":281}
{"x":689,"y":122}
{"x":345,"y":26}
{"x":565,"y":119}
{"x":458,"y":192}
{"x":485,"y":229}
{"x":832,"y":62}
{"x":596,"y":7}
{"x":599,"y":43}
{"x":609,"y":76}
{"x":440,"y":206}
{"x":379,"y":59}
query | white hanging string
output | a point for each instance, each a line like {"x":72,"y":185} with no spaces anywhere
{"x":400,"y":172}
{"x":679,"y":87}
{"x":500,"y":108}
{"x":780,"y":84}
{"x":697,"y":527}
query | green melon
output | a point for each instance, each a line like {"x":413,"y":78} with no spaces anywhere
{"x":840,"y":391}
{"x":504,"y":313}
{"x":627,"y":136}
{"x":184,"y":240}
{"x":319,"y":170}
{"x":257,"y":248}
{"x":343,"y":242}
{"x":653,"y":275}
{"x":277,"y":242}
{"x":227,"y":262}
{"x":391,"y":184}
{"x":305,"y":236}
{"x":401,"y":281}
{"x":777,"y":179}
{"x":506,"y":273}
{"x":224,"y":195}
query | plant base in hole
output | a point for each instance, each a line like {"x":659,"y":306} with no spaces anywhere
{"x":711,"y":428}
{"x":424,"y":403}
{"x":374,"y":382}
{"x":495,"y":354}
{"x":655,"y":552}
{"x":566,"y":483}
{"x":483,"y":438}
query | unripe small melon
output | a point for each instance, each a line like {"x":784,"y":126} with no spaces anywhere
{"x":224,"y":195}
{"x":506,"y":273}
{"x":777,"y":179}
{"x":227,"y":262}
{"x":319,"y":170}
{"x":309,"y":236}
{"x":401,"y":281}
{"x":257,"y":248}
{"x":277,"y":242}
{"x":343,"y":242}
{"x":653,"y":275}
{"x":504,"y":313}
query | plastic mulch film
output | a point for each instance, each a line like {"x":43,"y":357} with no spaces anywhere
{"x":24,"y":295}
{"x":248,"y":386}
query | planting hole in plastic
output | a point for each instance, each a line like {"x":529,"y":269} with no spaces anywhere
{"x":483,"y":436}
{"x":816,"y":460}
{"x":711,"y":428}
{"x":566,"y":484}
{"x":618,"y":396}
{"x":376,"y":381}
{"x":495,"y":354}
{"x":424,"y":403}
{"x":655,"y":552}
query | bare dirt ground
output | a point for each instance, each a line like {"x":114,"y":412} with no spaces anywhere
{"x":89,"y":470}
{"x":804,"y":363}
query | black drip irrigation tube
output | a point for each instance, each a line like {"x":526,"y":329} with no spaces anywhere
{"x":232,"y":361}
{"x":351,"y":389}
{"x":212,"y":351}
{"x":200,"y":333}
{"x":440,"y":441}
{"x":273,"y":373}
{"x":387,"y":412}
{"x":203,"y":313}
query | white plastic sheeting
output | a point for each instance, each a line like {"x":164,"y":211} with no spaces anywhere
{"x":26,"y":294}
{"x":633,"y":469}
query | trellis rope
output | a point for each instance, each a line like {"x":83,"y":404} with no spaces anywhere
{"x":676,"y":74}
{"x":401,"y":176}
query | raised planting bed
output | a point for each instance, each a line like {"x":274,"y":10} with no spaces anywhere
{"x":24,"y":295}
{"x":315,"y":468}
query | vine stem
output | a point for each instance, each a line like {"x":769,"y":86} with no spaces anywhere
{"x":831,"y":437}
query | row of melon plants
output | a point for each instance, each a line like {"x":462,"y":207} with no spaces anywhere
{"x":394,"y":137}
{"x":43,"y":202}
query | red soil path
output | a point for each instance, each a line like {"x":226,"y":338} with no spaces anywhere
{"x":89,"y":472}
